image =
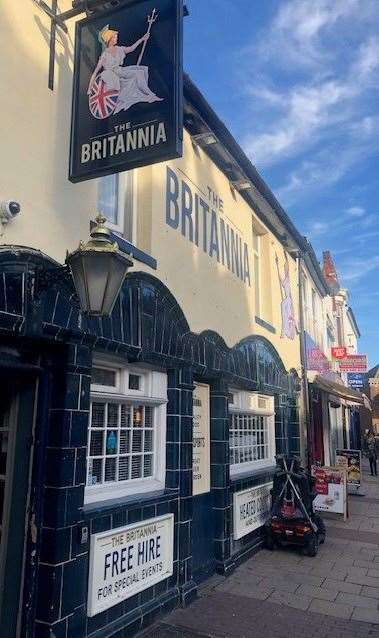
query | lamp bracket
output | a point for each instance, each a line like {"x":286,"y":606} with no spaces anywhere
{"x":59,"y":20}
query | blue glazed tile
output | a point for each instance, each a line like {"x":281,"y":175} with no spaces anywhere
{"x":75,"y":500}
{"x":55,"y":502}
{"x":172,"y":455}
{"x":172,"y":479}
{"x":49,"y":593}
{"x":148,"y":512}
{"x":186,"y":453}
{"x":59,"y":428}
{"x":186,"y":508}
{"x":173,"y":429}
{"x":58,"y":630}
{"x":174,"y":508}
{"x":120,"y":518}
{"x":74,"y":585}
{"x":173,"y":406}
{"x":186,"y":429}
{"x":220,"y":452}
{"x":79,"y":428}
{"x":135,"y":515}
{"x":60,"y":466}
{"x":85,"y":387}
{"x":80,"y":466}
{"x":101,"y":524}
{"x":65,"y":392}
{"x":61,"y":311}
{"x":14,"y":293}
{"x":77,"y":623}
{"x":163,"y":508}
{"x":55,"y":545}
{"x":219,"y":407}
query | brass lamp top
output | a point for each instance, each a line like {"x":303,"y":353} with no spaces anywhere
{"x":100,"y":241}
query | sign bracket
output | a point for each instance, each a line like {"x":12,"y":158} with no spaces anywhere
{"x":59,"y":20}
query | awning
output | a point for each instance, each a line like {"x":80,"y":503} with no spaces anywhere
{"x":338,"y":390}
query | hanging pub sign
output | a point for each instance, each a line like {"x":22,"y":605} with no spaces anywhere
{"x":127,"y":93}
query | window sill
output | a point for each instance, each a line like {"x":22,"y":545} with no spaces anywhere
{"x":265,"y":324}
{"x":132,"y":250}
{"x":251,"y":473}
{"x":90,"y":509}
{"x":135,"y":252}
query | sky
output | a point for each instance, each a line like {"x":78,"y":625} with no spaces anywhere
{"x":297,"y":84}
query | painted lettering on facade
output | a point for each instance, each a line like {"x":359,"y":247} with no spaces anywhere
{"x":199,"y":220}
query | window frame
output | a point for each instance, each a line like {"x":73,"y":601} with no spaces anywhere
{"x":126,"y":205}
{"x":257,"y":277}
{"x":246,"y":403}
{"x":153,"y":393}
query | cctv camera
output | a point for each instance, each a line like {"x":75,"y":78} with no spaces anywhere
{"x":8,"y":210}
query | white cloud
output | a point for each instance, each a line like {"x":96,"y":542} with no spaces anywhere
{"x":355,"y":211}
{"x":318,"y":100}
{"x":354,"y":270}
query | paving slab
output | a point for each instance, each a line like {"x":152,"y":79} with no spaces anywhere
{"x":316,"y":592}
{"x":341,"y":585}
{"x":372,"y":592}
{"x":338,"y":610}
{"x":363,"y":580}
{"x":291,"y":600}
{"x":357,"y":600}
{"x":367,"y":615}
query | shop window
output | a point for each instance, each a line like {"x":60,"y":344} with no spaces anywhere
{"x":126,"y":433}
{"x":115,"y":200}
{"x":251,"y":432}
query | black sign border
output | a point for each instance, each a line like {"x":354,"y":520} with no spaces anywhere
{"x":176,"y":150}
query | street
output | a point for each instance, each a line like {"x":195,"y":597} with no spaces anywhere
{"x":281,"y":593}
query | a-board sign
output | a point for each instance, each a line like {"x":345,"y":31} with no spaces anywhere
{"x":331,"y":490}
{"x":201,"y":440}
{"x":251,"y":509}
{"x":350,"y":460}
{"x":127,"y":560}
{"x":127,"y":96}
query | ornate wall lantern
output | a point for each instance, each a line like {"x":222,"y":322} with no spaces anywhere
{"x":98,"y":270}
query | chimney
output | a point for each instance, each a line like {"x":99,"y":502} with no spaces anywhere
{"x":329,"y":272}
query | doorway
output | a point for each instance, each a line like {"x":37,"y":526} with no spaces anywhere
{"x":17,"y":407}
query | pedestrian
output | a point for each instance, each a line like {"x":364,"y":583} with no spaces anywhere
{"x":372,"y":452}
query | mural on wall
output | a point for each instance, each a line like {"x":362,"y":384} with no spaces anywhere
{"x":289,"y":324}
{"x":114,"y":87}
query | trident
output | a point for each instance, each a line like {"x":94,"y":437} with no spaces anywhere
{"x":150,"y":19}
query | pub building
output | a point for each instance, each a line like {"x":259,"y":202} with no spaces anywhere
{"x":137,"y":450}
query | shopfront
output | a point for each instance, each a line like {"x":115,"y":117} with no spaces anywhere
{"x":142,"y":454}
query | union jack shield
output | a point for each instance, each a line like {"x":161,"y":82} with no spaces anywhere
{"x":102,"y":101}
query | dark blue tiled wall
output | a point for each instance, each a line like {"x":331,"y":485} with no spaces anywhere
{"x":147,"y":325}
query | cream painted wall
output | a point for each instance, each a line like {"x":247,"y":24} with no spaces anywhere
{"x":56,"y":214}
{"x":211,"y":296}
{"x":35,"y":134}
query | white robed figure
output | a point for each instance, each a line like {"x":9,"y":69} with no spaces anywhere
{"x":130,"y":82}
{"x":289,"y":324}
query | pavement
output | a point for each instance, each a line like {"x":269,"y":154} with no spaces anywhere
{"x":284,"y":594}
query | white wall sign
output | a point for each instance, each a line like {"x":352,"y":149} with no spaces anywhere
{"x":127,"y":560}
{"x":251,"y":509}
{"x":201,"y":443}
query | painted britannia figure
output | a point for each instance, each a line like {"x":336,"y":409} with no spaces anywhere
{"x":114,"y":87}
{"x":289,"y":325}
